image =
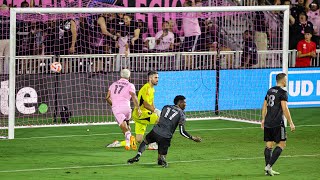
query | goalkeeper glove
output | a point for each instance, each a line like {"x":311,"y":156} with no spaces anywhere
{"x":158,"y":112}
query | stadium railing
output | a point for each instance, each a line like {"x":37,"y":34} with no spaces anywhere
{"x":148,"y":61}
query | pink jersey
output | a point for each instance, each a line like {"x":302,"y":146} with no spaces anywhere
{"x":120,"y":93}
{"x":165,"y":42}
{"x":190,"y":25}
{"x":122,"y":42}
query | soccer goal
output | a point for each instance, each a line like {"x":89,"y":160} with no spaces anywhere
{"x":222,"y":75}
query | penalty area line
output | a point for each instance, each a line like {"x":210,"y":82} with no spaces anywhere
{"x":150,"y":163}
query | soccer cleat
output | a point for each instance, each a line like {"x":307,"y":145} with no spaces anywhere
{"x":114,"y":144}
{"x":269,"y":171}
{"x":127,"y":148}
{"x":153,"y":146}
{"x":162,"y":163}
{"x":133,"y":143}
{"x":133,"y":160}
{"x":274,"y":172}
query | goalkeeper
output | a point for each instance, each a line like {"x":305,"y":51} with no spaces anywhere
{"x":150,"y":114}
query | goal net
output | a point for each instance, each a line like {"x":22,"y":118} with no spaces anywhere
{"x":220,"y":58}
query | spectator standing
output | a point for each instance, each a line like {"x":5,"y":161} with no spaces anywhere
{"x":260,"y":34}
{"x":306,"y":50}
{"x":314,"y":17}
{"x":177,"y":40}
{"x":299,"y":29}
{"x":298,"y":8}
{"x":133,"y":30}
{"x":4,"y":39}
{"x":192,"y":33}
{"x":23,"y":35}
{"x":68,"y":35}
{"x":249,"y":55}
{"x":191,"y":28}
{"x":164,"y":38}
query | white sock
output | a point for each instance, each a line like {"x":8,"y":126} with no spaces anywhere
{"x":127,"y":136}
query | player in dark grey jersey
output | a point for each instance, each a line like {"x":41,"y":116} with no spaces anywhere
{"x":274,"y":107}
{"x":171,"y":116}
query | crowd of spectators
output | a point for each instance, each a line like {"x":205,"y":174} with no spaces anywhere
{"x":124,"y":34}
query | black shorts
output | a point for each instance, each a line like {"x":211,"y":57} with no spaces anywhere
{"x":191,"y":43}
{"x":163,"y":143}
{"x":275,"y":134}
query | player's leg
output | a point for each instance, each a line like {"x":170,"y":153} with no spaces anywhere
{"x":151,"y":137}
{"x":279,"y":134}
{"x":154,"y":118}
{"x":127,"y":134}
{"x":268,"y":151}
{"x":141,"y":123}
{"x":268,"y":138}
{"x":132,"y":140}
{"x":277,"y":152}
{"x":122,"y":122}
{"x":129,"y":138}
{"x":122,"y":117}
{"x":140,"y":129}
{"x":164,"y":144}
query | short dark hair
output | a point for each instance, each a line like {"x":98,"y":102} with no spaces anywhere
{"x":24,"y":4}
{"x":150,"y":73}
{"x":308,"y":30}
{"x":280,"y":76}
{"x":178,"y":98}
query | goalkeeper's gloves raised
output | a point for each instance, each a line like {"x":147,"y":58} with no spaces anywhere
{"x":158,"y":112}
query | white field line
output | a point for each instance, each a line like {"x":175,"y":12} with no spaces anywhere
{"x":150,"y":163}
{"x":191,"y":130}
{"x":112,"y":123}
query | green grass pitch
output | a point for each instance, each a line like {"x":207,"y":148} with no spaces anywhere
{"x":230,"y":150}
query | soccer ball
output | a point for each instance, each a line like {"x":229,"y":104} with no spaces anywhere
{"x":56,"y":67}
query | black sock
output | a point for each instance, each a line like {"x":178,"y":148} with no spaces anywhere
{"x":275,"y":155}
{"x":162,"y":157}
{"x":267,"y":154}
{"x":141,"y":149}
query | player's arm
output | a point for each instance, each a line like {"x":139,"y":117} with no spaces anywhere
{"x":185,"y":134}
{"x":300,"y":55}
{"x":108,"y":98}
{"x":286,"y":112}
{"x":158,"y":37}
{"x":146,"y":98}
{"x":299,"y":49}
{"x":136,"y":36}
{"x":103,"y":27}
{"x":135,"y":102}
{"x":74,"y":36}
{"x":264,"y":113}
{"x":148,"y":106}
{"x":151,"y":108}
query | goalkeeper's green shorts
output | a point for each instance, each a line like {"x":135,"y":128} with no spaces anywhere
{"x":141,"y":122}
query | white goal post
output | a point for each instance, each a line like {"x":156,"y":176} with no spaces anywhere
{"x":15,"y":11}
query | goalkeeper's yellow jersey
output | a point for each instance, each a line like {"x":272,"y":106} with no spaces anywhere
{"x":146,"y":93}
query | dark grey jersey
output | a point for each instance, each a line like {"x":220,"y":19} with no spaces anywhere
{"x":274,"y":117}
{"x":171,"y":116}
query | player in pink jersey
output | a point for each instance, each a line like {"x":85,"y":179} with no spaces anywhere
{"x":119,"y":95}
